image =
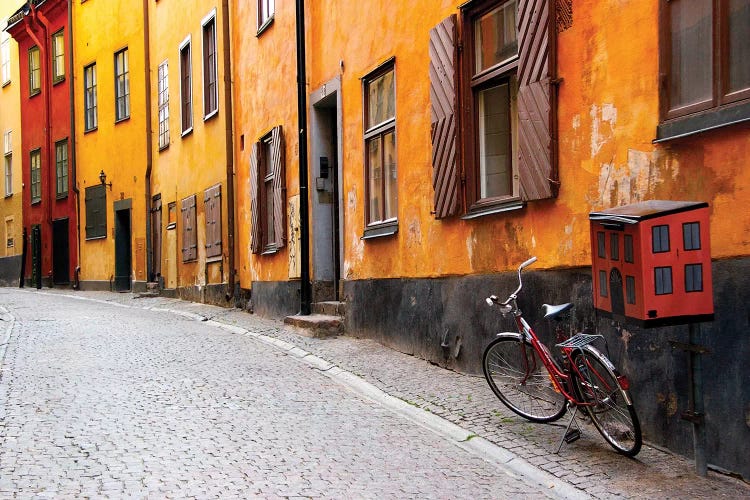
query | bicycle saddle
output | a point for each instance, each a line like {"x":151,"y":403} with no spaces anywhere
{"x":551,"y":312}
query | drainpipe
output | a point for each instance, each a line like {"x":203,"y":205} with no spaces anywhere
{"x":72,"y":148}
{"x":305,"y":291}
{"x":149,"y":146}
{"x":229,"y":146}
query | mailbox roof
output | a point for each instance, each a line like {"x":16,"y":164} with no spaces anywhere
{"x":636,"y":212}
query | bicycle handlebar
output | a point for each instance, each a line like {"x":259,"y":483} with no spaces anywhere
{"x":492,"y":299}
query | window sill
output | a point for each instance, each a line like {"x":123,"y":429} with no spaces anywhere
{"x":380,"y":230}
{"x":187,"y":132}
{"x":57,"y":80}
{"x":35,"y":93}
{"x":36,"y":202}
{"x":9,"y":195}
{"x":263,"y":27}
{"x":211,"y":115}
{"x":171,"y":226}
{"x":496,"y":208}
{"x":61,"y":196}
{"x":123,"y":119}
{"x":94,"y":238}
{"x":5,"y":84}
{"x":697,"y":123}
{"x":89,"y":130}
{"x":163,"y":148}
{"x":213,"y":260}
{"x":270,"y":250}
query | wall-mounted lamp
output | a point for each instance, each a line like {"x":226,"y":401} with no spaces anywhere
{"x":103,"y":180}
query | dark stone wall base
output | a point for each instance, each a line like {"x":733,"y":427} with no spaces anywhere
{"x":10,"y":270}
{"x":274,"y":299}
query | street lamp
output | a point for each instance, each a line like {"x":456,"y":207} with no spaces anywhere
{"x":103,"y":180}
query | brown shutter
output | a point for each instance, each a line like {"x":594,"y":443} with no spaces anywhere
{"x":255,"y":229}
{"x":189,"y":238}
{"x":212,"y":203}
{"x":185,"y":225}
{"x":443,"y":71}
{"x":279,"y":201}
{"x":537,"y":102}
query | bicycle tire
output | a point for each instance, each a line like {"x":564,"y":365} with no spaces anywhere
{"x":520,"y":380}
{"x":596,"y":381}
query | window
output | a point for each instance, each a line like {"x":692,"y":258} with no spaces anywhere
{"x":499,"y":151}
{"x":603,"y":283}
{"x":628,"y":242}
{"x":122,"y":85}
{"x":381,"y":175}
{"x":660,"y":239}
{"x":96,"y":212}
{"x":172,"y":215}
{"x":267,"y":193}
{"x":163,"y":77}
{"x":189,"y":233}
{"x":265,"y":14}
{"x":614,"y":244}
{"x":36,"y":175}
{"x":9,"y":233}
{"x":663,"y":280}
{"x":4,"y":58}
{"x":691,"y":235}
{"x":601,"y":245}
{"x":694,"y":278}
{"x":35,"y":78}
{"x":212,"y":203}
{"x":61,"y":167}
{"x":630,"y":289}
{"x":58,"y":57}
{"x":8,"y":162}
{"x":210,"y":87}
{"x":186,"y":89}
{"x":705,"y":46}
{"x":89,"y":97}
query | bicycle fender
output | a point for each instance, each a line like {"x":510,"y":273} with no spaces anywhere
{"x":606,"y":362}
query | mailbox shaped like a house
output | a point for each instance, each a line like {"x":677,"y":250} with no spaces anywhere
{"x":651,"y":263}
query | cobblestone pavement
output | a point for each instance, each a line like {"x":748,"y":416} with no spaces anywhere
{"x":104,"y":401}
{"x":588,"y":464}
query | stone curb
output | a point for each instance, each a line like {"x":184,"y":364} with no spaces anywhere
{"x":508,"y":462}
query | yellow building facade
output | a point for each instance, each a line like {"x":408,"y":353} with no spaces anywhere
{"x":111,"y":142}
{"x":11,"y":215}
{"x":190,"y":187}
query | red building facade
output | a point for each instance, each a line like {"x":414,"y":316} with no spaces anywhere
{"x":49,"y":191}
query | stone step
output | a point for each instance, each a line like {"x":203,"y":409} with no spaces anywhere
{"x":330,"y":308}
{"x":316,"y":325}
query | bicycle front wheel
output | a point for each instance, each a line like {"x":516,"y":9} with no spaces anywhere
{"x":520,"y":380}
{"x":597,"y":383}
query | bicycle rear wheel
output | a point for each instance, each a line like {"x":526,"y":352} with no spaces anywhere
{"x":610,"y":407}
{"x":520,"y":380}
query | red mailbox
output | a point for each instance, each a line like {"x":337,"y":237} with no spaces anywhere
{"x":651,"y":263}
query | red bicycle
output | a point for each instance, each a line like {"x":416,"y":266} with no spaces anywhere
{"x":522,"y":372}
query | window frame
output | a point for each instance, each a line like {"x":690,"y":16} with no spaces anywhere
{"x":5,"y":71}
{"x":90,"y":99}
{"x":477,"y":81}
{"x":61,"y":167}
{"x":58,"y":56}
{"x":35,"y":168}
{"x":163,"y":104}
{"x":210,"y":69}
{"x":267,"y":164}
{"x":8,"y":162}
{"x":186,"y":86}
{"x":266,"y":14}
{"x":122,"y":85}
{"x":35,"y":72}
{"x":723,"y":108}
{"x":383,"y":226}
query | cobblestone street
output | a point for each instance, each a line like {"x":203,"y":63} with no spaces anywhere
{"x":114,"y":395}
{"x":99,"y":400}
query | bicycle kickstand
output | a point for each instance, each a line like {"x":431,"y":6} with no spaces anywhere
{"x":570,"y":434}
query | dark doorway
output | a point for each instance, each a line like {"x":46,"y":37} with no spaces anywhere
{"x":122,"y":250}
{"x":60,"y":252}
{"x":36,"y":256}
{"x":155,"y":238}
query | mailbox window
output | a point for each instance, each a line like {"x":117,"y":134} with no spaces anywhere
{"x":630,"y":289}
{"x":694,"y":278}
{"x":691,"y":235}
{"x":660,"y":239}
{"x":601,"y":245}
{"x":663,"y":280}
{"x":614,"y":244}
{"x":603,"y":283}
{"x":628,"y":242}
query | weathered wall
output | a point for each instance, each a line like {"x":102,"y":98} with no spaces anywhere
{"x":100,"y":30}
{"x":10,"y":270}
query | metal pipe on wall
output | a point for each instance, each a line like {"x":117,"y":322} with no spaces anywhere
{"x":305,"y":289}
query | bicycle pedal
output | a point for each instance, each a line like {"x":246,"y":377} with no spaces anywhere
{"x":572,"y":435}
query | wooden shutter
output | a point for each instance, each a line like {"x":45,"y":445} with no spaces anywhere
{"x":256,"y":242}
{"x":212,"y":203}
{"x":96,"y":212}
{"x":279,"y":201}
{"x":443,"y":71}
{"x":537,"y":100}
{"x":189,"y":236}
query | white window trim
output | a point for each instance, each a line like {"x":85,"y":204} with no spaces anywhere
{"x":209,"y":17}
{"x":4,"y":57}
{"x":185,"y":43}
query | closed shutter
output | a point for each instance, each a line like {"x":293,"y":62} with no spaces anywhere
{"x":212,"y":203}
{"x":443,"y":71}
{"x":189,"y":236}
{"x":96,"y":212}
{"x":256,"y":242}
{"x":537,"y":100}
{"x":279,"y":191}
